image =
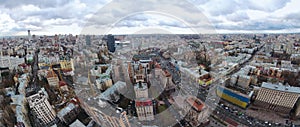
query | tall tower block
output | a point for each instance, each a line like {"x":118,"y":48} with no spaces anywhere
{"x":29,"y":35}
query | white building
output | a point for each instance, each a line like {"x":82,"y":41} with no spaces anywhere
{"x":141,"y":90}
{"x":103,"y":83}
{"x":278,"y":98}
{"x":10,"y":62}
{"x":41,"y":108}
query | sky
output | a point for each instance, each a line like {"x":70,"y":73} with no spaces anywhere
{"x":49,"y":17}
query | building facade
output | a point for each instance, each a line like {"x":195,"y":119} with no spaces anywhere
{"x":124,"y":122}
{"x":144,"y":109}
{"x":277,"y":97}
{"x":41,"y":108}
{"x":88,"y":40}
{"x":198,"y":113}
{"x":193,"y":110}
{"x":141,"y":90}
{"x":52,"y":78}
{"x":111,"y":43}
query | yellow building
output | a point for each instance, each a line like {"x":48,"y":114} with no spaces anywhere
{"x":205,"y":80}
{"x":67,"y":65}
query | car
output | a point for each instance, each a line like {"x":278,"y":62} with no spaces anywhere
{"x":251,"y":118}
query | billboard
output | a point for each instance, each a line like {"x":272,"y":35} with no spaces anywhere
{"x":234,"y":97}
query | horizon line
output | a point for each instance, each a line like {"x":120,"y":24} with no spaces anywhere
{"x":156,"y":34}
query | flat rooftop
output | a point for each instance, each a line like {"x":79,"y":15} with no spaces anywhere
{"x":281,"y":87}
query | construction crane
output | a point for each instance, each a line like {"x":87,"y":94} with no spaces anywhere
{"x":91,"y":86}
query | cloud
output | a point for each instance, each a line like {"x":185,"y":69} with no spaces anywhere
{"x":258,"y":25}
{"x":39,"y":3}
{"x":293,"y":16}
{"x":237,"y":16}
{"x":266,"y":5}
{"x":6,"y":23}
{"x":150,"y":13}
{"x":221,"y":7}
{"x":231,"y":15}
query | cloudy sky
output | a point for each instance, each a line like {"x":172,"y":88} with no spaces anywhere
{"x":48,"y":17}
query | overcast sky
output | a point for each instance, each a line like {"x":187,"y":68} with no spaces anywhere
{"x":48,"y":17}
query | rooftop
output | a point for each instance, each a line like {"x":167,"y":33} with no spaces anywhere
{"x":51,"y":73}
{"x":140,"y":86}
{"x":193,"y":71}
{"x":167,"y":73}
{"x":195,"y":103}
{"x":66,"y":110}
{"x":77,"y":123}
{"x":116,"y":87}
{"x":62,"y":83}
{"x":281,"y":87}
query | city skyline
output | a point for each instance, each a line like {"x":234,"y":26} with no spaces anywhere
{"x":119,"y":17}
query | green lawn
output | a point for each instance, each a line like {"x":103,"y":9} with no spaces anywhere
{"x":162,"y":108}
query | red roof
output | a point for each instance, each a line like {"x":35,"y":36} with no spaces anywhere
{"x":143,"y":103}
{"x":167,"y":73}
{"x":67,"y":69}
{"x":195,"y":103}
{"x":62,"y":83}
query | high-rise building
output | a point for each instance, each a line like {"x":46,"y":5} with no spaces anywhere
{"x":88,"y":39}
{"x":111,"y":43}
{"x":41,"y":109}
{"x":144,"y":105}
{"x":29,"y":35}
